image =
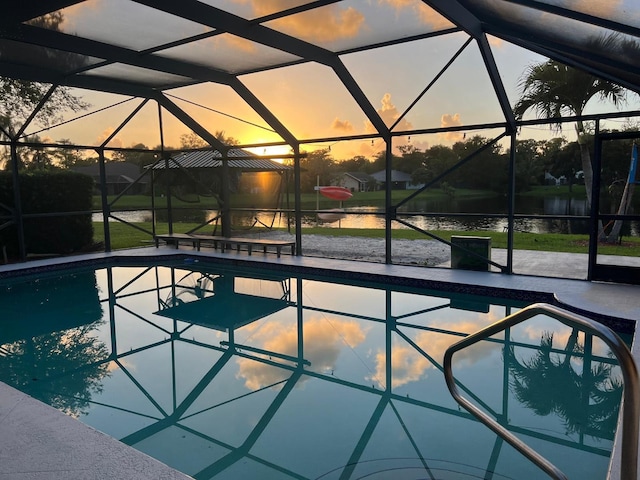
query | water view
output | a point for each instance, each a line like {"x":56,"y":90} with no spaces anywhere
{"x":423,"y":214}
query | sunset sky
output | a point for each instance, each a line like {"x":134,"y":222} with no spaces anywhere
{"x":309,"y":99}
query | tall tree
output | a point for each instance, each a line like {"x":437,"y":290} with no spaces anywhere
{"x":68,"y":157}
{"x":19,"y":98}
{"x":135,"y":155}
{"x":438,"y":159}
{"x":359,"y":163}
{"x":192,"y":140}
{"x":529,"y":164}
{"x":552,"y":89}
{"x":317,"y":166}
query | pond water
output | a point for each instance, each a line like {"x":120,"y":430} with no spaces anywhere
{"x":372,"y":216}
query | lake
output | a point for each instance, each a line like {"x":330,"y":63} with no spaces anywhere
{"x":424,"y":214}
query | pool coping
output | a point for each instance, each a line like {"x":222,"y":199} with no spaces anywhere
{"x":612,"y":304}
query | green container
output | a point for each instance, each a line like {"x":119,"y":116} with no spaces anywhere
{"x":462,"y":256}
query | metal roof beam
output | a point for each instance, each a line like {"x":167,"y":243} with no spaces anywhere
{"x":462,"y":17}
{"x":225,"y":21}
{"x":264,"y":112}
{"x":88,"y":82}
{"x":361,"y":99}
{"x":191,"y":123}
{"x":579,"y":16}
{"x":22,"y":11}
{"x":562,"y":53}
{"x":92,"y":48}
{"x":295,"y":10}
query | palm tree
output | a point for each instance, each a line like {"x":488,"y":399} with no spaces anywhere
{"x":552,"y":89}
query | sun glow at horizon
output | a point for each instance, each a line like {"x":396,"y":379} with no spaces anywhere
{"x":271,"y":150}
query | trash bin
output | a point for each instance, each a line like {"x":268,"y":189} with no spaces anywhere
{"x":461,"y":258}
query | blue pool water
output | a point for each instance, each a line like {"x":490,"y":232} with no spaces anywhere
{"x":233,"y":374}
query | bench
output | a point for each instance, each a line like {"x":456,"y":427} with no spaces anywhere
{"x":237,"y":242}
{"x":176,"y":238}
{"x":225,"y":242}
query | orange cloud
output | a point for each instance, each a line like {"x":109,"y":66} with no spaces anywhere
{"x":389,"y":114}
{"x":598,"y":9}
{"x":323,"y":342}
{"x":342,"y":125}
{"x":426,"y":14}
{"x":495,"y":41}
{"x":447,"y":121}
{"x":235,"y":43}
{"x":115,"y":142}
{"x":323,"y":24}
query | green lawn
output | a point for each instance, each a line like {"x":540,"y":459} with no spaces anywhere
{"x":124,"y":236}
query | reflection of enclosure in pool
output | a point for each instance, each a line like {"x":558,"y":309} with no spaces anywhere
{"x":257,"y":374}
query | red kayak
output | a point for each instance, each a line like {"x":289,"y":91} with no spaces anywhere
{"x":336,"y":193}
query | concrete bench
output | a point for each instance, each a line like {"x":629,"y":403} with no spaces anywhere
{"x":225,"y":243}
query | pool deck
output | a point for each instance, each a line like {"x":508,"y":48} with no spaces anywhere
{"x":39,"y":442}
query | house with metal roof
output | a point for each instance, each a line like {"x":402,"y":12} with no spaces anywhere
{"x":237,"y":158}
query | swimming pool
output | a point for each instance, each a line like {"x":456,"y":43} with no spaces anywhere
{"x":233,"y":373}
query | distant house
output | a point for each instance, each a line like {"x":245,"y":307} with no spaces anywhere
{"x":358,"y":181}
{"x":119,"y":176}
{"x":551,"y":180}
{"x":399,"y":180}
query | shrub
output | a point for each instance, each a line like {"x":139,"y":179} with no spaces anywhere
{"x":49,"y":192}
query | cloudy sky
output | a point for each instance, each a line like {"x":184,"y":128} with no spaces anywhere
{"x":309,"y":99}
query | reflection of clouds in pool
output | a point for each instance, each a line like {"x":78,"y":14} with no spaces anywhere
{"x":122,"y":363}
{"x":561,"y":334}
{"x":323,"y":342}
{"x":408,"y":365}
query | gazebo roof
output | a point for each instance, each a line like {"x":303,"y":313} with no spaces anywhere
{"x":238,"y":159}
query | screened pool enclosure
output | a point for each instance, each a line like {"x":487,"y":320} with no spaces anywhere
{"x":510,"y":116}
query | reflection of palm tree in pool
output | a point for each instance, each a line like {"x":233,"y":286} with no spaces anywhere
{"x":588,"y":402}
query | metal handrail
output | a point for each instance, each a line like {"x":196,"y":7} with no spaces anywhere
{"x":631,"y":403}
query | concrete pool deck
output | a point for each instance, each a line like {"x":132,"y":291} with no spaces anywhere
{"x":38,"y":442}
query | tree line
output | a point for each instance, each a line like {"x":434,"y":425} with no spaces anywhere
{"x":536,"y":161}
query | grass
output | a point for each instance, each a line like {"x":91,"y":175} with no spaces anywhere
{"x":125,"y":236}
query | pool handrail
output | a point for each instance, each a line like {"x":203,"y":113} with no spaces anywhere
{"x":631,"y":400}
